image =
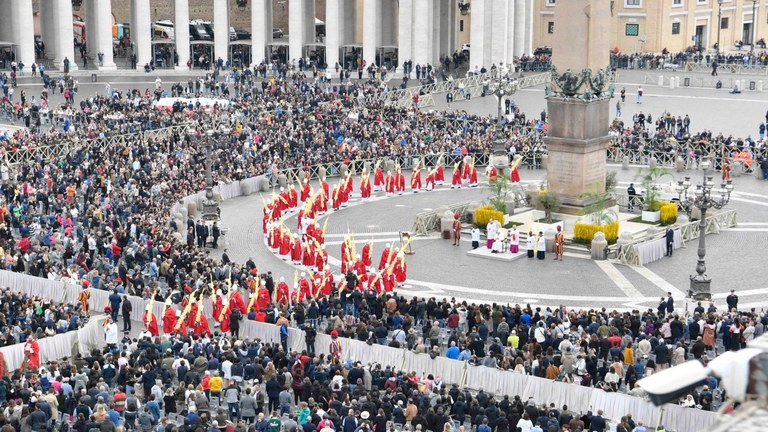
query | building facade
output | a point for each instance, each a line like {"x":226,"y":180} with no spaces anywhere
{"x":674,"y":25}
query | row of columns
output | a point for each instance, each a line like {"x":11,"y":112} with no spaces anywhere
{"x":500,"y":31}
{"x":421,"y":30}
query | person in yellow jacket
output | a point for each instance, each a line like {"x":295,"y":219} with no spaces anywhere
{"x":629,"y":354}
{"x":216,"y":384}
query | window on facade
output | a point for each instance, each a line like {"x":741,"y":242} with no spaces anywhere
{"x":633,"y":3}
{"x":675,"y":28}
{"x":551,"y":27}
{"x":677,"y":2}
{"x":632,"y":30}
{"x":724,"y":23}
{"x":550,"y":2}
{"x":461,"y":25}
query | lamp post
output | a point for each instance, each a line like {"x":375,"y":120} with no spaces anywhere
{"x":210,"y":207}
{"x":719,"y":25}
{"x":503,"y":85}
{"x":704,"y":198}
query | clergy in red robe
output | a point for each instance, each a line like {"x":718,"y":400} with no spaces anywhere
{"x":378,"y":179}
{"x":32,"y":353}
{"x":200,"y":325}
{"x":456,"y":177}
{"x":321,"y":258}
{"x":296,"y":249}
{"x":305,"y":191}
{"x":263,"y":299}
{"x":150,"y":322}
{"x":386,"y":255}
{"x":327,"y":287}
{"x":293,"y":197}
{"x":389,"y":185}
{"x":472,"y":176}
{"x":285,"y":244}
{"x":367,"y":256}
{"x":236,"y":301}
{"x":275,"y":239}
{"x":515,"y":176}
{"x":429,"y":183}
{"x":218,"y":305}
{"x":389,"y":281}
{"x":336,"y":199}
{"x":439,"y":175}
{"x":169,"y":320}
{"x":283,"y":292}
{"x":305,"y":291}
{"x":399,"y":181}
{"x":365,"y":187}
{"x":401,"y":269}
{"x":349,"y":184}
{"x":308,"y":254}
{"x":416,"y":179}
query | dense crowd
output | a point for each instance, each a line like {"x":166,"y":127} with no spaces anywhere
{"x":100,"y":217}
{"x":24,"y":317}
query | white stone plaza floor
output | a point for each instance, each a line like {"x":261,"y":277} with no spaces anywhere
{"x":734,"y":257}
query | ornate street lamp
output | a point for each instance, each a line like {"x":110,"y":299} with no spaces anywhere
{"x":241,"y":4}
{"x":464,"y":7}
{"x":210,"y":207}
{"x":503,"y":85}
{"x":704,"y":198}
{"x":77,"y":4}
{"x":719,"y":25}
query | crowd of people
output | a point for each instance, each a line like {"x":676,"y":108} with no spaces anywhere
{"x":101,"y":217}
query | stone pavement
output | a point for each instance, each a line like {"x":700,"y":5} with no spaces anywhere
{"x":441,"y":270}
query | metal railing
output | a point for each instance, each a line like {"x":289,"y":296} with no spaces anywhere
{"x":703,"y":81}
{"x":629,"y":254}
{"x":734,"y":68}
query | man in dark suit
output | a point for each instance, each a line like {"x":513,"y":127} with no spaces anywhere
{"x":669,"y":239}
{"x":732,"y":300}
{"x":670,"y":303}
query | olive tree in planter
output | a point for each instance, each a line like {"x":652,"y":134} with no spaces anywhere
{"x":549,"y":202}
{"x":650,"y":179}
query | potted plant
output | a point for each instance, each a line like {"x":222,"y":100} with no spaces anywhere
{"x":549,"y":202}
{"x":650,"y":179}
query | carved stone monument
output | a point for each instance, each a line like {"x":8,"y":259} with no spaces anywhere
{"x":210,"y":206}
{"x":578,"y":101}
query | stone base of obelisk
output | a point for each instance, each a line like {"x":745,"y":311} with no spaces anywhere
{"x":576,"y":147}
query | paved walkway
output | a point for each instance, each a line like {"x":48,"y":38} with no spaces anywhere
{"x":440,"y":270}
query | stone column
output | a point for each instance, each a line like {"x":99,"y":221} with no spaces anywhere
{"x":333,"y":32}
{"x":64,"y":42}
{"x":436,"y":7}
{"x":422,"y":33}
{"x":99,"y":34}
{"x":520,"y":22}
{"x":309,"y":22}
{"x":478,"y":34}
{"x":498,"y":25}
{"x":141,"y":32}
{"x":371,"y":30}
{"x":261,"y":30}
{"x":23,"y":33}
{"x":181,"y":32}
{"x":510,"y":39}
{"x":529,"y":26}
{"x":296,"y":28}
{"x":48,"y":31}
{"x":405,"y":26}
{"x":220,"y":30}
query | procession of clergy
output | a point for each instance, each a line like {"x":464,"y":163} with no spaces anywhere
{"x":306,"y":248}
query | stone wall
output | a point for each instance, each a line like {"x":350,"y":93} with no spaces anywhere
{"x":203,"y":9}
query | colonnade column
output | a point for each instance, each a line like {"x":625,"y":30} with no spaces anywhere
{"x":99,"y":35}
{"x":371,"y":30}
{"x":405,"y":27}
{"x":23,"y":34}
{"x":221,"y":30}
{"x":141,"y":32}
{"x":181,"y":32}
{"x":521,"y":12}
{"x":261,"y":29}
{"x":64,"y":46}
{"x":478,"y":36}
{"x":334,"y":31}
{"x":422,"y":33}
{"x":529,"y":27}
{"x":296,"y":29}
{"x":511,"y":28}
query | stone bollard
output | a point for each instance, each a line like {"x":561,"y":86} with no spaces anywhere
{"x":245,"y":188}
{"x":652,"y":163}
{"x":671,"y":83}
{"x":677,"y":81}
{"x":679,"y":164}
{"x":263,"y":184}
{"x":743,"y":85}
{"x":549,"y":239}
{"x":282,"y":180}
{"x":760,"y":85}
{"x":661,"y":80}
{"x":192,"y":208}
{"x":598,"y":246}
{"x":625,"y":163}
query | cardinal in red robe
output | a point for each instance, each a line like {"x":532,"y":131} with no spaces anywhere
{"x":399,"y":181}
{"x":429,"y":183}
{"x":150,"y":322}
{"x":296,"y":250}
{"x":365,"y":187}
{"x":389,"y":184}
{"x":200,"y":326}
{"x":416,"y":179}
{"x":386,"y":256}
{"x":283,"y":293}
{"x":308,"y":255}
{"x":456,"y":177}
{"x":236,"y":302}
{"x":305,"y":191}
{"x":169,"y":320}
{"x":440,"y":175}
{"x":32,"y":353}
{"x":263,"y":299}
{"x":378,"y":179}
{"x":367,"y":256}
